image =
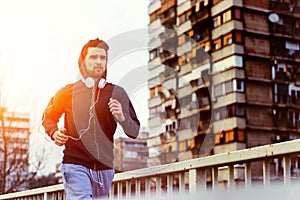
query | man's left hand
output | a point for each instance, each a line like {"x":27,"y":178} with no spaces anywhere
{"x":116,"y":109}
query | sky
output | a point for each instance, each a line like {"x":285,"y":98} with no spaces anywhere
{"x":40,"y":41}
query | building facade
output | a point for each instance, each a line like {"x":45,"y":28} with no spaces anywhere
{"x":224,"y":76}
{"x":14,"y":154}
{"x":130,"y":154}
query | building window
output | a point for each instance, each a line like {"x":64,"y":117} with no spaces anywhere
{"x":235,"y":111}
{"x":183,"y":145}
{"x":229,"y":136}
{"x":181,"y":19}
{"x":181,"y":39}
{"x":240,"y":111}
{"x":295,"y":95}
{"x":238,"y":38}
{"x":217,"y":21}
{"x":281,"y":93}
{"x":230,"y":111}
{"x":130,"y":154}
{"x":227,"y":39}
{"x":228,"y":87}
{"x":190,"y":33}
{"x":239,"y":85}
{"x":190,"y":55}
{"x":182,"y":61}
{"x":185,"y":123}
{"x":184,"y":17}
{"x":218,"y":90}
{"x":227,"y":16}
{"x":237,"y":13}
{"x":155,"y":111}
{"x":217,"y":44}
{"x":155,"y":90}
{"x":292,"y":45}
{"x":291,"y":48}
{"x":233,"y":135}
{"x":188,"y":122}
{"x":172,"y":126}
{"x":152,"y":92}
{"x":154,"y":53}
{"x":206,"y":46}
{"x":240,"y":135}
{"x":220,"y":113}
{"x":293,"y":118}
{"x":220,"y":138}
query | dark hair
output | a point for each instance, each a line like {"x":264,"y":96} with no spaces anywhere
{"x":91,"y":43}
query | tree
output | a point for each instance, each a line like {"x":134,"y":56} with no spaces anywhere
{"x":14,"y":152}
{"x":43,"y":181}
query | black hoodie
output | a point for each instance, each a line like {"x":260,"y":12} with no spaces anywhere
{"x":89,"y":122}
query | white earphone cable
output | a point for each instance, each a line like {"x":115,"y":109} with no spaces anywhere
{"x":93,"y":103}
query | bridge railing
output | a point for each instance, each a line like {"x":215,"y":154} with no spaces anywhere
{"x":217,"y":172}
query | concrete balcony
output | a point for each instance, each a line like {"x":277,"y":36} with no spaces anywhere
{"x":153,"y":82}
{"x":184,"y":91}
{"x":232,"y":61}
{"x":228,"y":75}
{"x":155,"y":72}
{"x":228,"y":123}
{"x":155,"y":101}
{"x":226,"y":174}
{"x":184,"y":69}
{"x":226,"y":28}
{"x":154,"y":63}
{"x":223,"y":5}
{"x":154,"y":5}
{"x":230,"y":98}
{"x":228,"y":51}
{"x":154,"y":43}
{"x":185,"y":134}
{"x":183,"y":6}
{"x":186,"y":111}
{"x":185,"y":26}
{"x":185,"y":48}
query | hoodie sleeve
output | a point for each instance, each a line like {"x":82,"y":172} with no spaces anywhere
{"x":131,"y":125}
{"x":53,"y":112}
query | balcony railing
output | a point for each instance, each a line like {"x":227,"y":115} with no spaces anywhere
{"x":210,"y":173}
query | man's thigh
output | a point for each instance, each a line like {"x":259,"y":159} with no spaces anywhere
{"x":76,"y":181}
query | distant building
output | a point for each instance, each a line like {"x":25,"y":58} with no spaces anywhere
{"x":130,"y":153}
{"x":226,"y":78}
{"x":14,"y":144}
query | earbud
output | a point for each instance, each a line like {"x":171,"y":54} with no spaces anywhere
{"x":89,"y":82}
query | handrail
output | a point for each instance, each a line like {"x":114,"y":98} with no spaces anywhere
{"x":197,"y":173}
{"x":234,"y":157}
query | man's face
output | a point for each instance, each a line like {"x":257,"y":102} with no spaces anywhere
{"x":95,"y":62}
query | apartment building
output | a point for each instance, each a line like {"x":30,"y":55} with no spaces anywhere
{"x":14,"y":149}
{"x":224,"y":76}
{"x":130,"y":153}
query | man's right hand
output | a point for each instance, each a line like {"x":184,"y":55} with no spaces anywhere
{"x":60,"y":137}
